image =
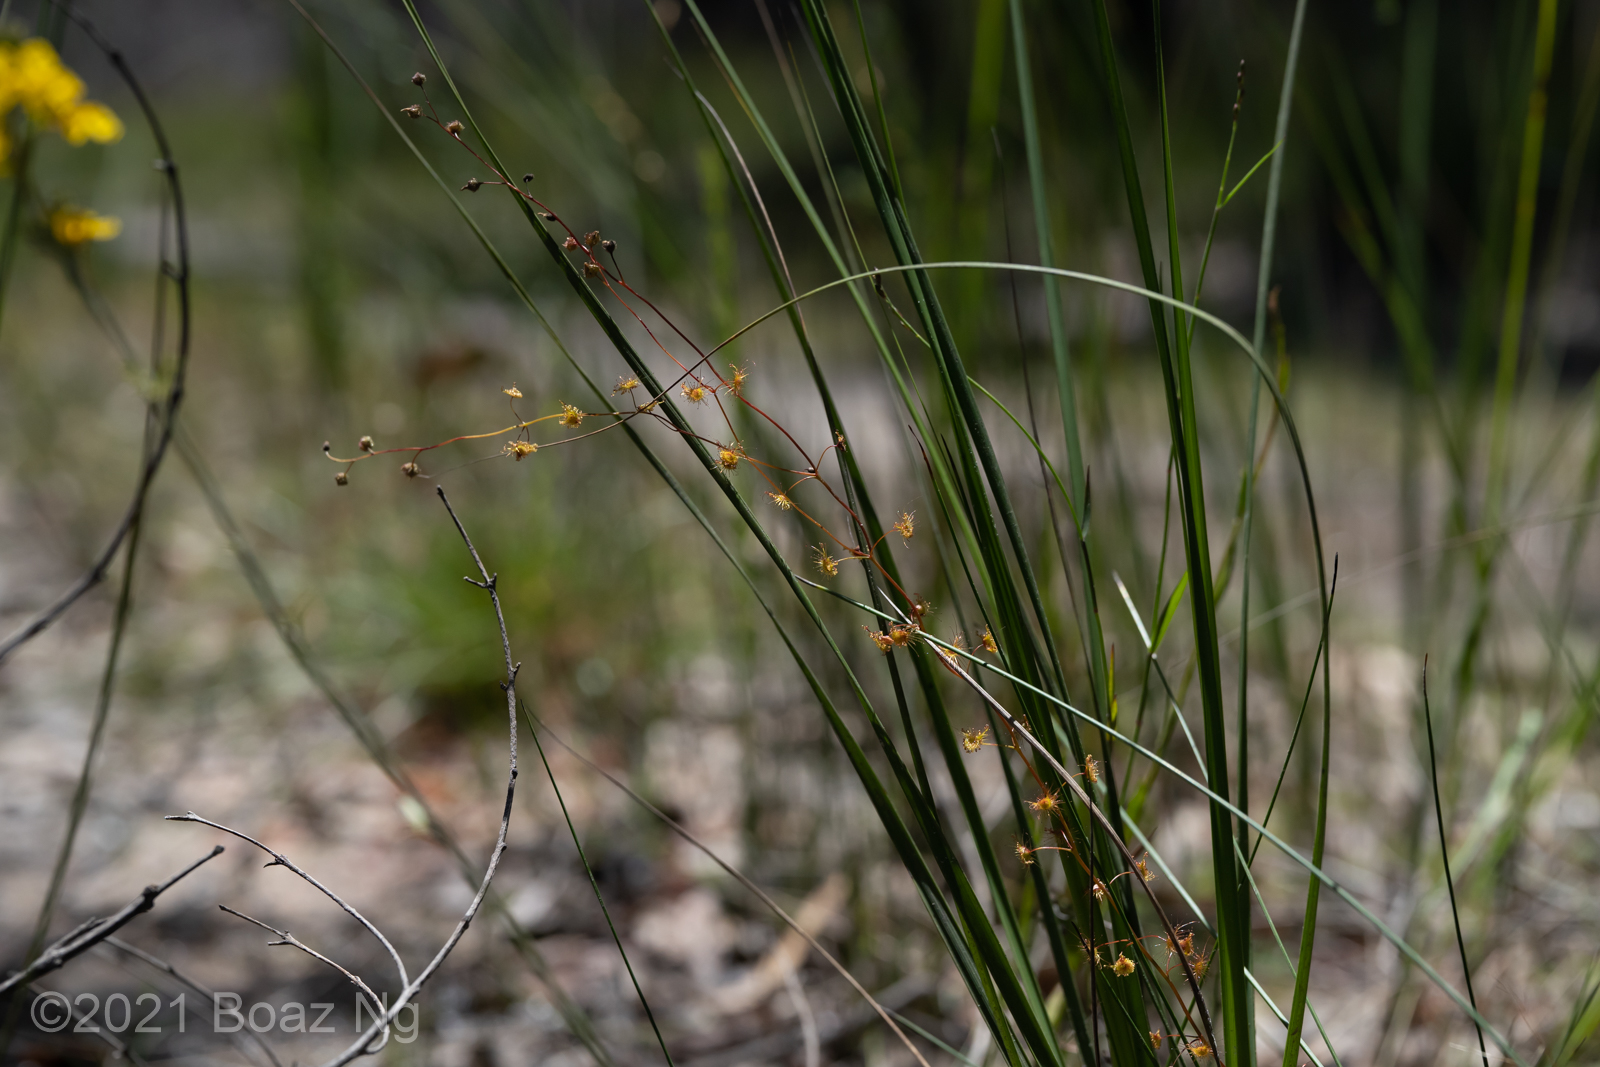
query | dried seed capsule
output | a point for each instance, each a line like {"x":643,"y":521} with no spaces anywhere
{"x":366,"y":444}
{"x":413,"y":111}
{"x":419,"y":78}
{"x":609,"y":245}
{"x":411,"y":470}
{"x":473,"y":185}
{"x":341,"y":478}
{"x":453,"y":126}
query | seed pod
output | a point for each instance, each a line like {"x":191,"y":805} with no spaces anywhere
{"x":341,"y":478}
{"x":473,"y":185}
{"x":453,"y":126}
{"x":419,"y":79}
{"x":410,"y":469}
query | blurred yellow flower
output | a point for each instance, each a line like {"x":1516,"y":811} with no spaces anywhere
{"x":74,"y":226}
{"x":90,"y":121}
{"x":33,"y":76}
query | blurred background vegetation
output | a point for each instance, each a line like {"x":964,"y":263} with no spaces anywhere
{"x":336,"y":294}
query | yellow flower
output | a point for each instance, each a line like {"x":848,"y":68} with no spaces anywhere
{"x":74,"y":226}
{"x":736,"y":383}
{"x":905,"y":525}
{"x":518,"y":449}
{"x":825,"y":562}
{"x":695,"y":394}
{"x":36,"y":78}
{"x":1122,"y":966}
{"x":781,"y":501}
{"x":514,"y":393}
{"x":986,"y":642}
{"x":91,"y":122}
{"x":728,"y":458}
{"x":972,"y":740}
{"x":1025,"y":854}
{"x":570,"y":416}
{"x":625,"y":385}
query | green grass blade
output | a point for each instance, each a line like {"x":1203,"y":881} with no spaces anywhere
{"x":1047,"y":256}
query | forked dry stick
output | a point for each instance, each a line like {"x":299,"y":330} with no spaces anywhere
{"x":286,"y":938}
{"x":280,"y":860}
{"x":93,"y":931}
{"x":510,"y":688}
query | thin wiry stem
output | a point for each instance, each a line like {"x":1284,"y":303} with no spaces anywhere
{"x":286,"y":938}
{"x":593,"y":884}
{"x":405,"y":996}
{"x":534,"y":725}
{"x":167,"y":421}
{"x":1444,"y":853}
